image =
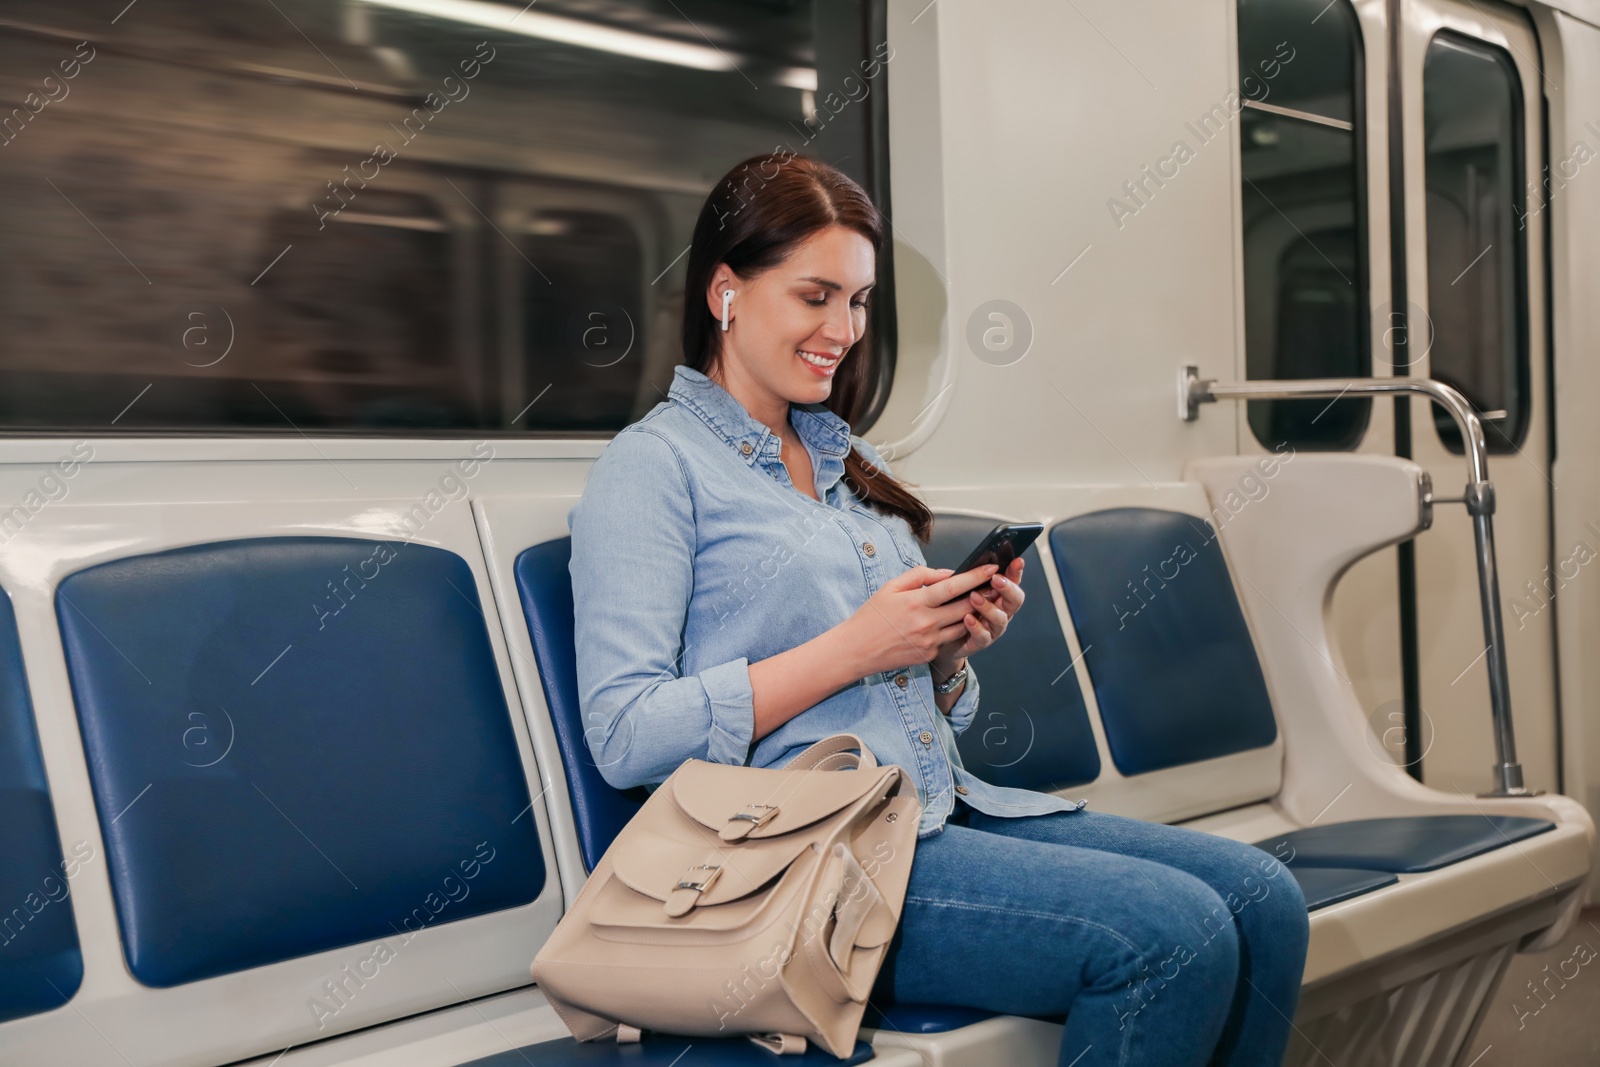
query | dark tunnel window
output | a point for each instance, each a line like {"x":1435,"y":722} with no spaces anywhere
{"x":1304,"y":214}
{"x":1477,"y":256}
{"x":270,"y":216}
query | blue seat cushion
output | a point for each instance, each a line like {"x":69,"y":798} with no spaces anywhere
{"x":1164,"y":640}
{"x":544,"y":582}
{"x":1322,"y":886}
{"x":40,"y":962}
{"x":1032,"y":729}
{"x":922,"y":1018}
{"x":661,"y":1050}
{"x":295,"y":744}
{"x":1403,"y":845}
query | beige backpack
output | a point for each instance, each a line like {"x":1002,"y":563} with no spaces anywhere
{"x":742,"y":900}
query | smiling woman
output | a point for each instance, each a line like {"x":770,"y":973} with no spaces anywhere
{"x":1019,"y":901}
{"x":795,"y":242}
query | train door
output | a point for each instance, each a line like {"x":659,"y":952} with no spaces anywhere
{"x":1333,"y":204}
{"x":1471,"y":89}
{"x":1316,"y":281}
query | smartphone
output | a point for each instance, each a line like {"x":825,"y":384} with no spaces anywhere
{"x":1001,"y":545}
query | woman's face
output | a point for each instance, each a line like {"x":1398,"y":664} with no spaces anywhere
{"x":813,"y":304}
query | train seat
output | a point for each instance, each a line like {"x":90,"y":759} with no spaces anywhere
{"x":344,"y":743}
{"x":1168,"y":654}
{"x":544,"y":587}
{"x":1322,"y":886}
{"x":41,"y":964}
{"x":1176,"y":676}
{"x":1477,"y":878}
{"x":307,"y":819}
{"x":662,"y":1050}
{"x":1405,"y":844}
{"x":1034,"y":719}
{"x":1032,"y":730}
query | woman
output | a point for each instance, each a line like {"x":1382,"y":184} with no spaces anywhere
{"x":748,"y":579}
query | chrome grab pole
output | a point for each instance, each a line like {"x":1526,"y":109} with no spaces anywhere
{"x":1478,"y":498}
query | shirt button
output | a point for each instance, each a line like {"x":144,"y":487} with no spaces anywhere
{"x":925,"y":737}
{"x":961,"y":789}
{"x":902,"y":681}
{"x":870,"y":549}
{"x":744,"y":447}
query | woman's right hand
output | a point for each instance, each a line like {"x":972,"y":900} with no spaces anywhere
{"x":903,"y":622}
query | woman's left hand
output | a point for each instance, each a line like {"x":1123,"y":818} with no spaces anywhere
{"x":989,"y":612}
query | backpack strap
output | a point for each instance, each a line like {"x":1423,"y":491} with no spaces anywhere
{"x":833,"y":754}
{"x":780,"y":1044}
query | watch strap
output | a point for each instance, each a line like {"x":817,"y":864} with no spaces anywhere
{"x":950,"y":684}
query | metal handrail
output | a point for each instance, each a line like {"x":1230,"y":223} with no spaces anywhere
{"x":1478,"y":497}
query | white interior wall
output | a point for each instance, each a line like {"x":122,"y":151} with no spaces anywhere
{"x":1009,"y":136}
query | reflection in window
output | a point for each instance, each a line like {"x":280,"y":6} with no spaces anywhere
{"x":361,"y":331}
{"x":1472,"y":129}
{"x":1324,"y":43}
{"x":303,"y":214}
{"x":1303,"y":201}
{"x":583,"y":313}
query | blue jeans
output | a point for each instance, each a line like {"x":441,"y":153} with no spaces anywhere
{"x":1160,"y":945}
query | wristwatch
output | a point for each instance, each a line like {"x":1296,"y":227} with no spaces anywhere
{"x":952,"y":683}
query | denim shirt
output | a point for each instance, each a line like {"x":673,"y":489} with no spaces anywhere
{"x":694,"y":555}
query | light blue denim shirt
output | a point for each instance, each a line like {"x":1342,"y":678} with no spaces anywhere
{"x":694,"y":555}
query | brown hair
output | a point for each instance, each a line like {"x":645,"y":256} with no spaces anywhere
{"x":752,"y":220}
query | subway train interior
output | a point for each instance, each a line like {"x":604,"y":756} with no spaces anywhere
{"x":1281,"y":316}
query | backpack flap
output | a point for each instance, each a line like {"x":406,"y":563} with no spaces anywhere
{"x":736,"y":805}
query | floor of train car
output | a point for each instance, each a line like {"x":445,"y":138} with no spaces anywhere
{"x":1557,"y":1025}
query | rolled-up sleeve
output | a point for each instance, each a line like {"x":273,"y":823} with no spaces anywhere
{"x":965,"y":709}
{"x":633,"y":550}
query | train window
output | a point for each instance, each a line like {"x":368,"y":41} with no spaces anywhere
{"x":1304,"y":214}
{"x":1472,"y":126}
{"x":389,"y":216}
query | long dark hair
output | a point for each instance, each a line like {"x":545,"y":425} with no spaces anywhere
{"x":752,"y":220}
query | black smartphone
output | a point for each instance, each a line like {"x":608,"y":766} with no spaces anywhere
{"x":1001,"y":545}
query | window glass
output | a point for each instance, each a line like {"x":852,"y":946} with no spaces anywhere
{"x":382,"y":216}
{"x":1472,"y":109}
{"x":1299,"y":54}
{"x":1303,"y":202}
{"x":361,"y":331}
{"x":582,"y":297}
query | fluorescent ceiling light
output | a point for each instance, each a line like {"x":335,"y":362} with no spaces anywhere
{"x":511,"y":19}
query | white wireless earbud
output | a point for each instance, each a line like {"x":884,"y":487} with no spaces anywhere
{"x":727,"y":298}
